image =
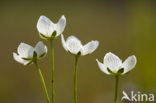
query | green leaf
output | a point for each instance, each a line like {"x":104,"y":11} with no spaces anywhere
{"x":30,"y":63}
{"x":42,"y":55}
{"x":120,"y":71}
{"x":110,"y":71}
{"x":35,"y":55}
{"x":54,"y":33}
{"x":43,"y":36}
{"x":27,"y":58}
{"x":79,"y":53}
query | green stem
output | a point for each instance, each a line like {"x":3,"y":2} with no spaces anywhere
{"x":75,"y":78}
{"x":43,"y":82}
{"x":52,"y":70}
{"x":116,"y":88}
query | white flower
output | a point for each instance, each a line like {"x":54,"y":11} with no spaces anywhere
{"x":113,"y":65}
{"x":26,"y":53}
{"x":74,"y":46}
{"x":48,"y":29}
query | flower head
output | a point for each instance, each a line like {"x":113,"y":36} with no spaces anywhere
{"x":48,"y":29}
{"x":26,"y":53}
{"x":74,"y":46}
{"x":113,"y":65}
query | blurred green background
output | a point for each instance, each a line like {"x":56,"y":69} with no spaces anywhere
{"x":122,"y":27}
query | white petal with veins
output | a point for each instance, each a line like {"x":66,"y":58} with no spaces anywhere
{"x":64,"y":42}
{"x":45,"y":26}
{"x":19,"y":59}
{"x":40,"y":48}
{"x":25,"y":50}
{"x":61,"y":25}
{"x":113,"y":62}
{"x":73,"y":44}
{"x":102,"y":67}
{"x":89,"y":47}
{"x":129,"y":63}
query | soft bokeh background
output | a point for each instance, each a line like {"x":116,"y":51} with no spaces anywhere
{"x":122,"y":27}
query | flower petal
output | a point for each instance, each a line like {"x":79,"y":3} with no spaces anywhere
{"x":25,"y":50}
{"x":64,"y":43}
{"x":102,"y":67}
{"x":73,"y":44}
{"x":45,"y":26}
{"x":112,"y":62}
{"x":129,"y":63}
{"x":89,"y":47}
{"x":61,"y":25}
{"x":40,"y":48}
{"x":19,"y":59}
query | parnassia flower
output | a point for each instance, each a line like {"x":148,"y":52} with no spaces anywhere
{"x":113,"y":65}
{"x":27,"y":54}
{"x":48,"y":29}
{"x":74,"y":46}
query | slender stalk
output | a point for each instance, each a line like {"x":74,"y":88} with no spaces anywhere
{"x":75,"y":78}
{"x":43,"y":82}
{"x":116,"y":88}
{"x":52,"y":70}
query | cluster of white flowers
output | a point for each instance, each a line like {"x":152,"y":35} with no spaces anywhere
{"x":26,"y":54}
{"x":49,"y":30}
